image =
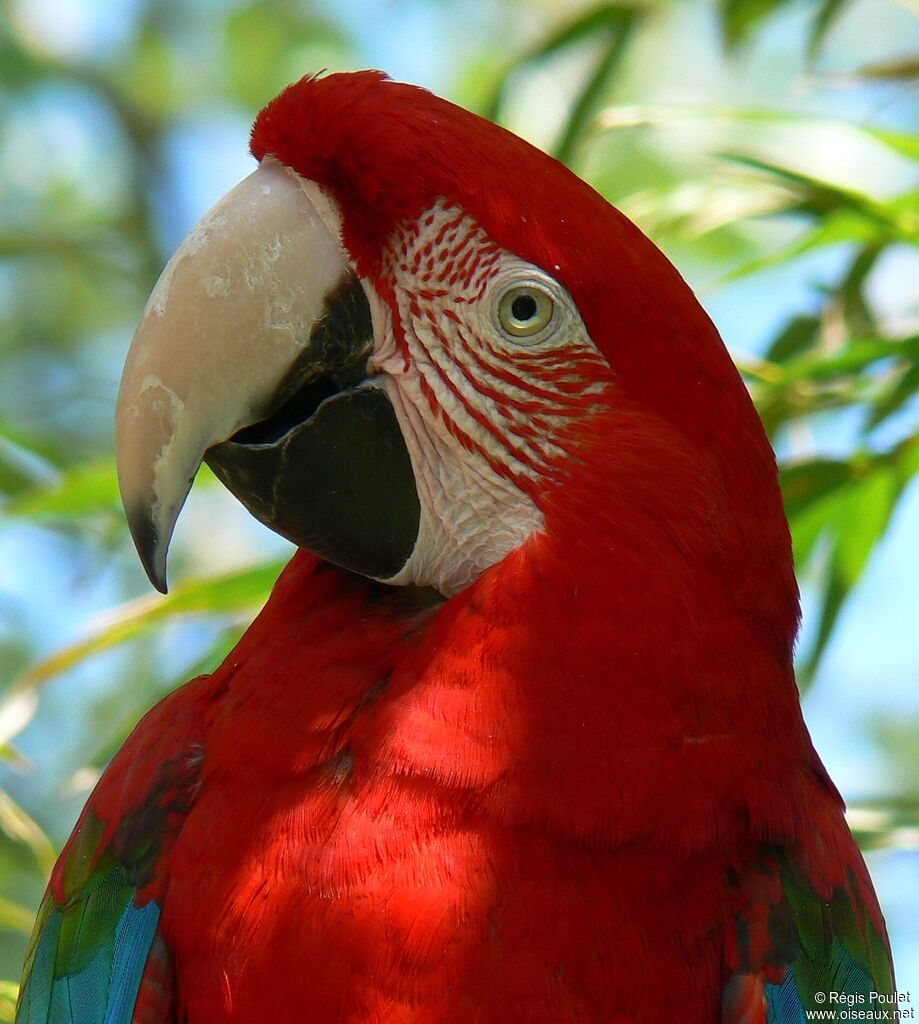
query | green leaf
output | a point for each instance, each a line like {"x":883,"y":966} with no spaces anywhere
{"x":850,"y":503}
{"x":850,"y":295}
{"x":14,"y":917}
{"x":803,"y":483}
{"x":22,"y":828}
{"x":861,"y":519}
{"x":826,"y":18}
{"x":810,"y":490}
{"x":82,"y":490}
{"x":585,"y":106}
{"x":905,"y":459}
{"x":868,"y":509}
{"x":899,"y":69}
{"x":795,"y":338}
{"x":257,"y":48}
{"x":904,"y":387}
{"x":819,"y":198}
{"x":9,"y":993}
{"x":740,"y":18}
{"x":822,"y":379}
{"x":808,"y":526}
{"x":602,"y":19}
{"x":613,"y":22}
{"x":659,"y":115}
{"x":22,"y":467}
{"x":853,"y":358}
{"x":831,"y":229}
{"x":889,"y":821}
{"x":79,"y":491}
{"x":904,"y":143}
{"x":240,"y":591}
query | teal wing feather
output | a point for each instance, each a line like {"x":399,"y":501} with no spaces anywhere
{"x":794,"y":951}
{"x":89,"y":954}
{"x":97,"y":955}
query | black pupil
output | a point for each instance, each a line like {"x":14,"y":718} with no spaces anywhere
{"x":523,"y":308}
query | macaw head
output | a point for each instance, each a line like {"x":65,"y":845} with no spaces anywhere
{"x":413,"y":344}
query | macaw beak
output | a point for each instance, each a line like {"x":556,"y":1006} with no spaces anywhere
{"x":252,"y":354}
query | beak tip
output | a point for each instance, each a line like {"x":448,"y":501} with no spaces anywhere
{"x":148,"y":542}
{"x":159,"y":582}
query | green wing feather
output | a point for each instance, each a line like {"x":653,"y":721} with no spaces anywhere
{"x":88,"y":954}
{"x":96,"y":956}
{"x":842,"y":952}
{"x":793,"y":952}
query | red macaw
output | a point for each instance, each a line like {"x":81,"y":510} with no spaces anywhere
{"x":516,"y":737}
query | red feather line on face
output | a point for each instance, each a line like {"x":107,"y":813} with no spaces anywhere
{"x":487,"y":397}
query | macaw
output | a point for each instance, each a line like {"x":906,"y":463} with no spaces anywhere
{"x":516,"y":737}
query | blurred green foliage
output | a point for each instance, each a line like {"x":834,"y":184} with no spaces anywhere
{"x":88,"y":211}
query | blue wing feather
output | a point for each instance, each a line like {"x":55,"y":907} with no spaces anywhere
{"x":783,"y":1004}
{"x":136,"y":931}
{"x":104,"y":990}
{"x":833,"y":952}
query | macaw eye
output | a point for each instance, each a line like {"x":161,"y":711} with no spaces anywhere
{"x":524,"y":310}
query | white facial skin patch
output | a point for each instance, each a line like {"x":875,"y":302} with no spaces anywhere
{"x":484,"y":366}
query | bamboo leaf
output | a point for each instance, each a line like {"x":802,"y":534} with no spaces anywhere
{"x":9,"y":993}
{"x":831,"y":229}
{"x":14,"y":917}
{"x":676,"y":115}
{"x":861,"y":519}
{"x":898,"y":70}
{"x":820,"y":198}
{"x":905,"y":459}
{"x":239,"y":591}
{"x":583,"y":27}
{"x":740,"y":18}
{"x":810,"y":490}
{"x":22,"y":828}
{"x":904,"y":143}
{"x":854,"y":358}
{"x":612,"y":21}
{"x":795,"y":338}
{"x":16,"y":711}
{"x":852,"y":361}
{"x":604,"y":18}
{"x":21,"y":467}
{"x":903,"y":388}
{"x":827,"y":16}
{"x":585,"y":106}
{"x":868,"y":514}
{"x":803,"y":483}
{"x":808,"y":525}
{"x":889,"y":822}
{"x":79,"y":491}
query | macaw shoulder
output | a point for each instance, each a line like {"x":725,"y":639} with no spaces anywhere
{"x":160,"y":760}
{"x":96,"y":951}
{"x":805,"y":927}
